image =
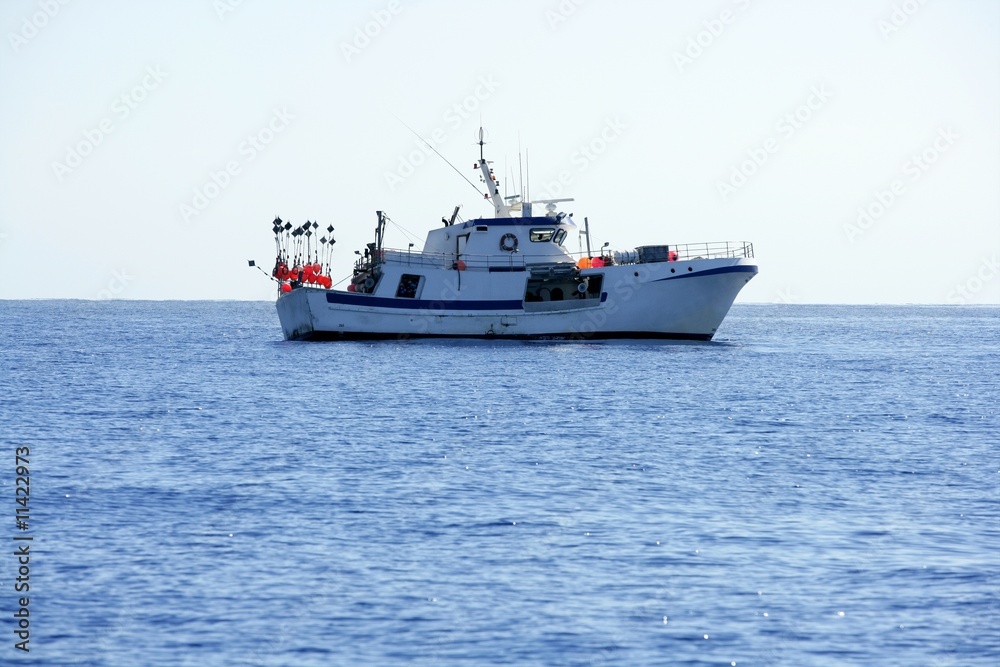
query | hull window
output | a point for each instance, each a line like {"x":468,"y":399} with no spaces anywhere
{"x":409,"y":286}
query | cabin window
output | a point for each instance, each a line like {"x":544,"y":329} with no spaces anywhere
{"x":482,"y":228}
{"x":409,"y":285}
{"x":559,"y":237}
{"x":541,"y":234}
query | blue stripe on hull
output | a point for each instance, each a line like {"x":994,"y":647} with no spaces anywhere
{"x":349,"y":299}
{"x":739,"y":268}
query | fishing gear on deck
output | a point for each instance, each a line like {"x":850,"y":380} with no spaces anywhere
{"x":298,"y":260}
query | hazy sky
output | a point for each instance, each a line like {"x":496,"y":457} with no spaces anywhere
{"x":146,"y":146}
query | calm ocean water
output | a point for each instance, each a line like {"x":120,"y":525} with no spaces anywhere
{"x":819,"y":486}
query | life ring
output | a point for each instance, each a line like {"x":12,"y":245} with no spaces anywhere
{"x":508,"y":243}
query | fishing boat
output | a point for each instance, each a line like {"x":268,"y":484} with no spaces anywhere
{"x":509,"y":276}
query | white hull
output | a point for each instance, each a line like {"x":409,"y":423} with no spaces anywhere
{"x":677,"y":300}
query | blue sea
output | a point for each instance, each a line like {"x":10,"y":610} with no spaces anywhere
{"x":820,"y":485}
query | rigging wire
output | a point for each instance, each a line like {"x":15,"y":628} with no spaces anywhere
{"x":486,"y":196}
{"x":409,"y":235}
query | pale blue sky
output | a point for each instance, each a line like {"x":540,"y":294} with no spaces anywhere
{"x":898,"y":108}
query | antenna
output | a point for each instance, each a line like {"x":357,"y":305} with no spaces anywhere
{"x":520,"y":173}
{"x":500,"y":207}
{"x":527,"y":167}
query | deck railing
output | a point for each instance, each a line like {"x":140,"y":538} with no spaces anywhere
{"x":713,"y":250}
{"x":680,"y":252}
{"x":447,"y":260}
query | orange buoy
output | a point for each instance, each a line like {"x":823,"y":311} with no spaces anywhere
{"x":460,"y":265}
{"x":583,"y":263}
{"x":285,"y":287}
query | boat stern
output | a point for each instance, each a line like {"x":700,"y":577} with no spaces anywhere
{"x":295,"y":314}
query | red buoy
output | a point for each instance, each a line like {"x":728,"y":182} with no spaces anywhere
{"x":285,"y":287}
